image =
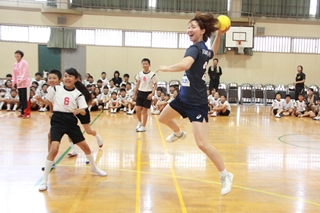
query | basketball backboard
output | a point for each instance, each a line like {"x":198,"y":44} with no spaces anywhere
{"x":240,"y":37}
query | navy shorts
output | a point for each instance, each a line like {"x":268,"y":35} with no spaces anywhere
{"x":226,"y":113}
{"x":84,"y":119}
{"x":65,"y":123}
{"x":195,"y":113}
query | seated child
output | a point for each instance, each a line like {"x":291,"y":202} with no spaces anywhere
{"x":310,"y":100}
{"x":12,"y":100}
{"x":105,"y":98}
{"x":317,"y":110}
{"x":223,"y":109}
{"x":161,"y":104}
{"x":214,"y":101}
{"x":94,"y":105}
{"x":8,"y":86}
{"x":300,"y":106}
{"x":33,"y":101}
{"x":288,"y":106}
{"x":114,"y":103}
{"x":129,"y":90}
{"x":277,"y":107}
{"x":43,"y":92}
{"x":2,"y":97}
{"x":112,"y":87}
{"x":123,"y":99}
{"x":156,"y":98}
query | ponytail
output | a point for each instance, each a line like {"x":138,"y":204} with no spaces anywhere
{"x":83,"y":89}
{"x":80,"y":86}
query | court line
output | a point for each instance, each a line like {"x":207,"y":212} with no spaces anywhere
{"x":288,"y":143}
{"x":173,"y":175}
{"x":138,"y":180}
{"x":68,"y":149}
{"x":218,"y":183}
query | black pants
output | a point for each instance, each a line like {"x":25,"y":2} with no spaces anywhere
{"x":299,"y":90}
{"x":214,"y":84}
{"x":23,"y":96}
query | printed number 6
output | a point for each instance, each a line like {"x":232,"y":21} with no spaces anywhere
{"x":66,"y":101}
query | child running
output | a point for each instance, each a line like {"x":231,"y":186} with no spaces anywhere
{"x":192,"y":101}
{"x":67,"y":101}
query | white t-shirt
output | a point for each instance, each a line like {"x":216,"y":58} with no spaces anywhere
{"x":227,"y":104}
{"x":64,"y":100}
{"x":214,"y":102}
{"x":277,"y":104}
{"x":9,"y":97}
{"x":130,"y":93}
{"x":105,"y":82}
{"x":123,"y":99}
{"x":301,"y":106}
{"x":104,"y":97}
{"x":156,"y":97}
{"x":114,"y":101}
{"x":147,"y":80}
{"x":40,"y":83}
{"x":286,"y":105}
{"x":113,"y":89}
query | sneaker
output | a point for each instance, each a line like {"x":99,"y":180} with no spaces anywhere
{"x":99,"y":140}
{"x":41,"y":110}
{"x":98,"y":171}
{"x":105,"y":107}
{"x":125,"y":109}
{"x":72,"y":154}
{"x":316,"y":118}
{"x":26,"y":116}
{"x":20,"y":116}
{"x":45,"y":109}
{"x":130,"y":112}
{"x":42,"y":187}
{"x":214,"y":114}
{"x":157,"y":112}
{"x":281,"y":115}
{"x":277,"y":116}
{"x":139,"y":125}
{"x":141,"y":129}
{"x":226,"y":184}
{"x":173,"y":137}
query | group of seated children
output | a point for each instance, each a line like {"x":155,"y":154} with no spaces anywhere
{"x":218,"y":105}
{"x":308,"y":106}
{"x":160,"y":100}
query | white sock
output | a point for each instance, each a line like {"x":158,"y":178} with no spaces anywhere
{"x":8,"y":107}
{"x":89,"y":108}
{"x":73,"y":148}
{"x":98,"y":136}
{"x":224,"y":173}
{"x":47,"y":169}
{"x":15,"y":107}
{"x":178,"y":133}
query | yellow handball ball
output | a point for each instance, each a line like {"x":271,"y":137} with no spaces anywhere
{"x":224,"y":22}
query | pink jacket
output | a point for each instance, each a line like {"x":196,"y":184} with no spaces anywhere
{"x":21,"y":74}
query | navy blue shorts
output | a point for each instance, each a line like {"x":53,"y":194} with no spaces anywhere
{"x":84,"y":119}
{"x":193,"y":112}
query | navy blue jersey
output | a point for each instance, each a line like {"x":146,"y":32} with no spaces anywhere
{"x":193,"y":89}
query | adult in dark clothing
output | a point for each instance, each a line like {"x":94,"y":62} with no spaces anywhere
{"x":300,"y":80}
{"x":214,"y":73}
{"x":116,"y":79}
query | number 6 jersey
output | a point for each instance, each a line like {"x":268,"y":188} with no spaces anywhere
{"x":65,"y":100}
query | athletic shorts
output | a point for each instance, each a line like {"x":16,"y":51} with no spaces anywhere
{"x":226,"y":113}
{"x":84,"y":119}
{"x":65,"y":123}
{"x":36,"y":108}
{"x":195,"y":113}
{"x":142,"y":99}
{"x":302,"y":112}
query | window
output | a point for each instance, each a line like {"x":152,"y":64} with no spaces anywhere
{"x":138,"y":39}
{"x":39,"y":34}
{"x":184,"y":41}
{"x":152,"y":3}
{"x":14,"y":33}
{"x":272,"y":44}
{"x":313,"y":7}
{"x":305,"y":45}
{"x":108,"y":37}
{"x":85,"y":36}
{"x":164,"y":39}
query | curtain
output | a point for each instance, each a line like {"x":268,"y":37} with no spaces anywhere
{"x":222,"y":45}
{"x":69,"y":38}
{"x":191,"y":6}
{"x":318,"y":9}
{"x":62,"y":38}
{"x":56,"y":38}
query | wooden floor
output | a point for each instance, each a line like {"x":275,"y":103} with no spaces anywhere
{"x":276,"y":163}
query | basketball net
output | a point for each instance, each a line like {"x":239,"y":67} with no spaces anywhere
{"x":240,"y":48}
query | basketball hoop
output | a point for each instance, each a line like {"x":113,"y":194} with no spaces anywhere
{"x":240,"y":47}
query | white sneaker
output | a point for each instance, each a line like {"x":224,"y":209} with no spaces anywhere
{"x":214,"y":114}
{"x":173,"y":137}
{"x":157,"y":112}
{"x":130,"y":112}
{"x":226,"y":184}
{"x":125,"y":109}
{"x":98,"y":171}
{"x":316,"y":118}
{"x":72,"y":154}
{"x":41,"y":110}
{"x":139,"y":125}
{"x":105,"y":107}
{"x":141,"y":129}
{"x":45,"y":109}
{"x":99,"y":140}
{"x":277,"y":116}
{"x":42,"y":187}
